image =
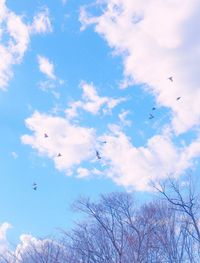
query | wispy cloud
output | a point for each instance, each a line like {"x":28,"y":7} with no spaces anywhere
{"x":41,"y":22}
{"x":64,"y":2}
{"x":14,"y":155}
{"x":52,"y":82}
{"x":82,"y":172}
{"x":92,"y":102}
{"x":17,"y":33}
{"x":122,"y":116}
{"x":46,"y":67}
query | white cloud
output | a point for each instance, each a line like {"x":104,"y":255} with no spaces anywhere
{"x":85,"y":173}
{"x":92,"y":102}
{"x":155,"y":47}
{"x":4,"y":245}
{"x":14,"y":155}
{"x":136,"y":167}
{"x":74,"y":143}
{"x":5,"y":68}
{"x":64,"y":2}
{"x":19,"y":35}
{"x":128,"y":165}
{"x":82,"y":172}
{"x":38,"y":250}
{"x":46,"y":67}
{"x":122,"y":116}
{"x":14,"y":40}
{"x":27,"y":246}
{"x":86,"y":19}
{"x":41,"y":22}
{"x":52,"y":82}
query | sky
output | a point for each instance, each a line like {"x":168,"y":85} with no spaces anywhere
{"x":95,"y":97}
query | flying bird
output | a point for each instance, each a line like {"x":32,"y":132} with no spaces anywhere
{"x":103,"y":141}
{"x":151,"y":116}
{"x":59,"y":155}
{"x":171,"y":79}
{"x":46,"y":135}
{"x":98,"y":155}
{"x":154,"y":108}
{"x":178,"y":98}
{"x":34,"y":186}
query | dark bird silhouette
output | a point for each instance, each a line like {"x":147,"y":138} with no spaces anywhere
{"x":151,"y":116}
{"x":59,"y":155}
{"x":171,"y":79}
{"x":154,"y":108}
{"x":46,"y":135}
{"x":34,"y":186}
{"x":104,"y":142}
{"x":178,"y":98}
{"x":98,"y":155}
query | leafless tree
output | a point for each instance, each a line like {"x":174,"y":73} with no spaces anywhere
{"x":116,"y":230}
{"x":107,"y":228}
{"x":185,"y":201}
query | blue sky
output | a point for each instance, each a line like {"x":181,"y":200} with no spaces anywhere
{"x":85,"y":73}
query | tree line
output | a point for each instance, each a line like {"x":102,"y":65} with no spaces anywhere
{"x":116,"y":230}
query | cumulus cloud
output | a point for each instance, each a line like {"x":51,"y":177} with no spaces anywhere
{"x":14,"y":40}
{"x":92,"y":102}
{"x":70,"y":145}
{"x":136,"y":167}
{"x":28,"y":248}
{"x":46,"y":67}
{"x":32,"y":249}
{"x":157,"y":39}
{"x":74,"y":143}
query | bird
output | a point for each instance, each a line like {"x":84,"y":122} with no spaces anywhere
{"x":103,"y":141}
{"x":98,"y":155}
{"x":171,"y":79}
{"x":34,"y":186}
{"x":178,"y":98}
{"x":154,"y":108}
{"x":151,"y":116}
{"x":59,"y":155}
{"x":46,"y":135}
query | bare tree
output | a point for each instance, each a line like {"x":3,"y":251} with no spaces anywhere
{"x":115,"y":230}
{"x":107,"y":221}
{"x":185,"y":201}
